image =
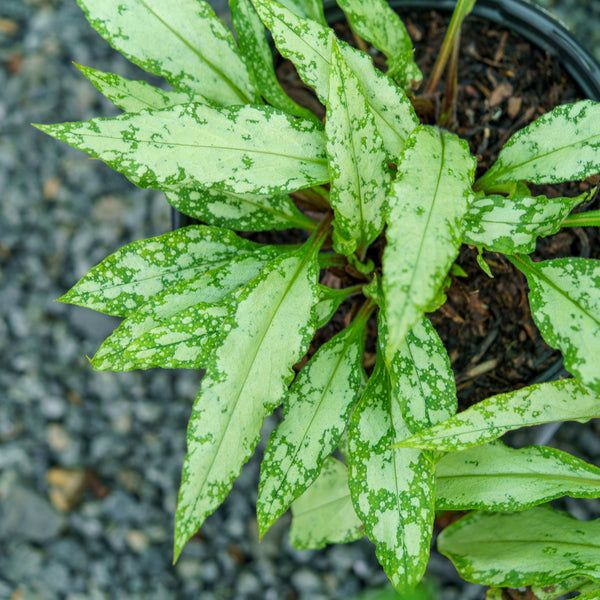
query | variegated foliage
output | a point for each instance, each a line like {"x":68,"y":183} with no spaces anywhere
{"x":393,"y":491}
{"x":203,"y":297}
{"x":378,"y":23}
{"x":427,"y":204}
{"x":565,"y":304}
{"x":533,"y":547}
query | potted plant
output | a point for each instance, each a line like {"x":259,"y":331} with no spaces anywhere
{"x":371,"y":441}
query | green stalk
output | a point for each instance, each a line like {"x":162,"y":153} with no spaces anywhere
{"x":462,"y":9}
{"x":586,"y":219}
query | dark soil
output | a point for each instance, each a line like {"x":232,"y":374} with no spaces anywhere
{"x":504,"y":83}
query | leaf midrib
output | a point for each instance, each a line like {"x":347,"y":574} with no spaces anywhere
{"x":549,"y":476}
{"x":203,"y":58}
{"x":318,"y":161}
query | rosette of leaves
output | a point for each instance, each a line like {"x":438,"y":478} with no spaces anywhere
{"x":355,"y":453}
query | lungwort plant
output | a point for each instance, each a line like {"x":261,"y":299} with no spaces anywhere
{"x":390,"y":201}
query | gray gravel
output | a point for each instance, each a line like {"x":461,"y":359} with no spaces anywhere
{"x":112,"y":444}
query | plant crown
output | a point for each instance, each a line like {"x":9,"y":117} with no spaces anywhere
{"x":230,"y":148}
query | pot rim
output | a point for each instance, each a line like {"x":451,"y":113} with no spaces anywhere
{"x":531,"y":22}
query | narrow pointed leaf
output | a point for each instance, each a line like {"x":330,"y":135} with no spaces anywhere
{"x":173,"y":304}
{"x":539,"y":546}
{"x":564,"y":400}
{"x":141,"y":270}
{"x":186,"y":340}
{"x":378,"y":23}
{"x":133,"y":96}
{"x":360,"y":177}
{"x":253,"y":43}
{"x":428,"y":201}
{"x":496,"y":477}
{"x":308,"y":45}
{"x":246,"y":379}
{"x":324,"y":514}
{"x":307,"y":9}
{"x":562,"y":145}
{"x":242,"y":212}
{"x":233,"y":148}
{"x":317,"y":409}
{"x":564,"y":295}
{"x":183,"y":41}
{"x":392,"y":490}
{"x":512,"y":224}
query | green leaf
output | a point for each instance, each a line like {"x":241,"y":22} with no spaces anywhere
{"x":428,"y":201}
{"x":539,"y":546}
{"x":378,"y":23}
{"x":358,"y":168}
{"x":242,"y":212}
{"x":245,"y":381}
{"x":564,"y":400}
{"x":392,"y":490}
{"x":307,"y":9}
{"x":186,"y":340}
{"x":253,"y":43}
{"x":496,"y":477}
{"x":562,"y":145}
{"x":512,"y":224}
{"x":557,"y":590}
{"x":182,"y":41}
{"x":172,"y":307}
{"x":564,"y":295}
{"x":324,"y":514}
{"x":317,"y":409}
{"x":133,"y":96}
{"x":141,"y":270}
{"x":308,"y":45}
{"x":232,"y":148}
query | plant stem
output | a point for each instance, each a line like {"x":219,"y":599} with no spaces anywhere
{"x":462,"y":9}
{"x":330,"y":259}
{"x":586,"y":219}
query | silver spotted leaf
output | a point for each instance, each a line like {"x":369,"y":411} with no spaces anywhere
{"x":250,"y":33}
{"x":427,"y":204}
{"x":318,"y":406}
{"x":183,"y":41}
{"x":186,"y":340}
{"x":133,"y":96}
{"x":184,"y":146}
{"x":512,"y":224}
{"x":324,"y":514}
{"x":245,"y":380}
{"x":358,"y":168}
{"x":209,"y":288}
{"x":564,"y":295}
{"x":378,"y":23}
{"x":141,"y":270}
{"x":422,"y":378}
{"x":242,"y":212}
{"x":562,"y":145}
{"x":538,"y":546}
{"x":564,"y":400}
{"x":308,"y":45}
{"x":392,"y":490}
{"x":499,"y":478}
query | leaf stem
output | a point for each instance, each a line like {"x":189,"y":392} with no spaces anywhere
{"x":462,"y":9}
{"x":331,"y":259}
{"x":585,"y":219}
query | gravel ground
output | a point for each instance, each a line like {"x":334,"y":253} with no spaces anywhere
{"x":107,"y":448}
